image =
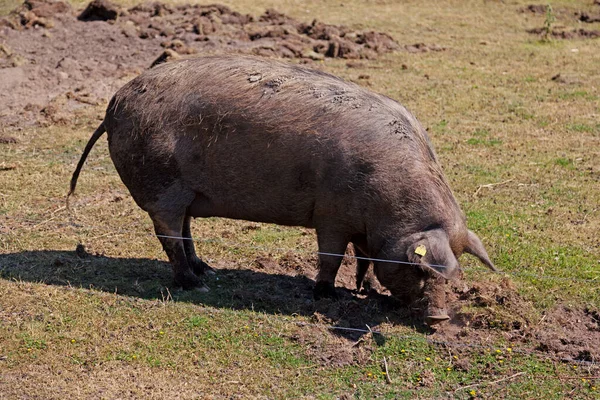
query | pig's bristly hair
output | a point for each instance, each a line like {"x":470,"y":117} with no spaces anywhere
{"x":287,"y":100}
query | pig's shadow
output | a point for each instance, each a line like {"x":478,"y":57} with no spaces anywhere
{"x":230,"y":288}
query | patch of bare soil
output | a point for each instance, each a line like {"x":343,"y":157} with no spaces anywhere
{"x":570,"y":333}
{"x":481,"y":313}
{"x":285,"y":285}
{"x":569,"y":34}
{"x":330,"y":350}
{"x":560,"y":32}
{"x":4,"y":139}
{"x":535,"y":8}
{"x":585,"y":17}
{"x":423,"y":48}
{"x":55,"y":60}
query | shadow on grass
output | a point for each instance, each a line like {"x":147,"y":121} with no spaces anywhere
{"x":230,"y":288}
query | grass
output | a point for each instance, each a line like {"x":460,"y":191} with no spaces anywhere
{"x":519,"y":149}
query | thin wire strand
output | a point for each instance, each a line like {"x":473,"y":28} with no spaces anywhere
{"x":312,"y":252}
{"x":527,"y":274}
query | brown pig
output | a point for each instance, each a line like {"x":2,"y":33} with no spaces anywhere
{"x":260,"y":140}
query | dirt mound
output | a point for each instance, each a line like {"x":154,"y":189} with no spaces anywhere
{"x":590,"y":19}
{"x":483,"y":307}
{"x":568,"y":34}
{"x":7,"y":139}
{"x":423,"y":48}
{"x":99,"y":10}
{"x":40,"y":13}
{"x":329,"y":350}
{"x":536,"y":8}
{"x":565,"y":15}
{"x":52,"y":56}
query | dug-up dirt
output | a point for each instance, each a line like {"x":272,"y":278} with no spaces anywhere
{"x":55,"y":60}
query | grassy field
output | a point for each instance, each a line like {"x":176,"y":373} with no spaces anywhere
{"x":519,"y":145}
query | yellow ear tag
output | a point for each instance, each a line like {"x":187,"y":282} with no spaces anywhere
{"x":421,"y":250}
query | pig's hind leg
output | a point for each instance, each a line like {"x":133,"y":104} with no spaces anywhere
{"x":198,"y":266}
{"x":332,"y":247}
{"x":168,"y":215}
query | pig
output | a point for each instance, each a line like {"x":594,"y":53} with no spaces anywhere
{"x":262,"y":140}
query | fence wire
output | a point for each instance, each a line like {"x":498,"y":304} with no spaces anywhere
{"x":238,"y":245}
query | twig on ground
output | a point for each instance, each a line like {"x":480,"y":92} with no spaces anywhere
{"x":491,"y":383}
{"x":372,"y":334}
{"x":578,"y":377}
{"x":490,"y":185}
{"x":387,"y":372}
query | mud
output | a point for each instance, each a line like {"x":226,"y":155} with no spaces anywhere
{"x":55,"y":60}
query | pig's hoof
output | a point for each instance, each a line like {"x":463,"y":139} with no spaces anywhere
{"x":324,"y":290}
{"x":436,"y":319}
{"x":200,"y":267}
{"x":202,"y":289}
{"x":188,"y":281}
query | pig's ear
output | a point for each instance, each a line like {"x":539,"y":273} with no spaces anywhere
{"x":432,"y":252}
{"x":475,"y":247}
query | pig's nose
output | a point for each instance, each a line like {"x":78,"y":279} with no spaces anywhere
{"x":436,"y":319}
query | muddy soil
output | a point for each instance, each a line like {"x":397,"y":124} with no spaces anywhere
{"x":55,"y":60}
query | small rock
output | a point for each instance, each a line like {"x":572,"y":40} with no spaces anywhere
{"x":355,"y":64}
{"x":166,"y":56}
{"x":99,"y":10}
{"x":254,"y":77}
{"x":313,"y":55}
